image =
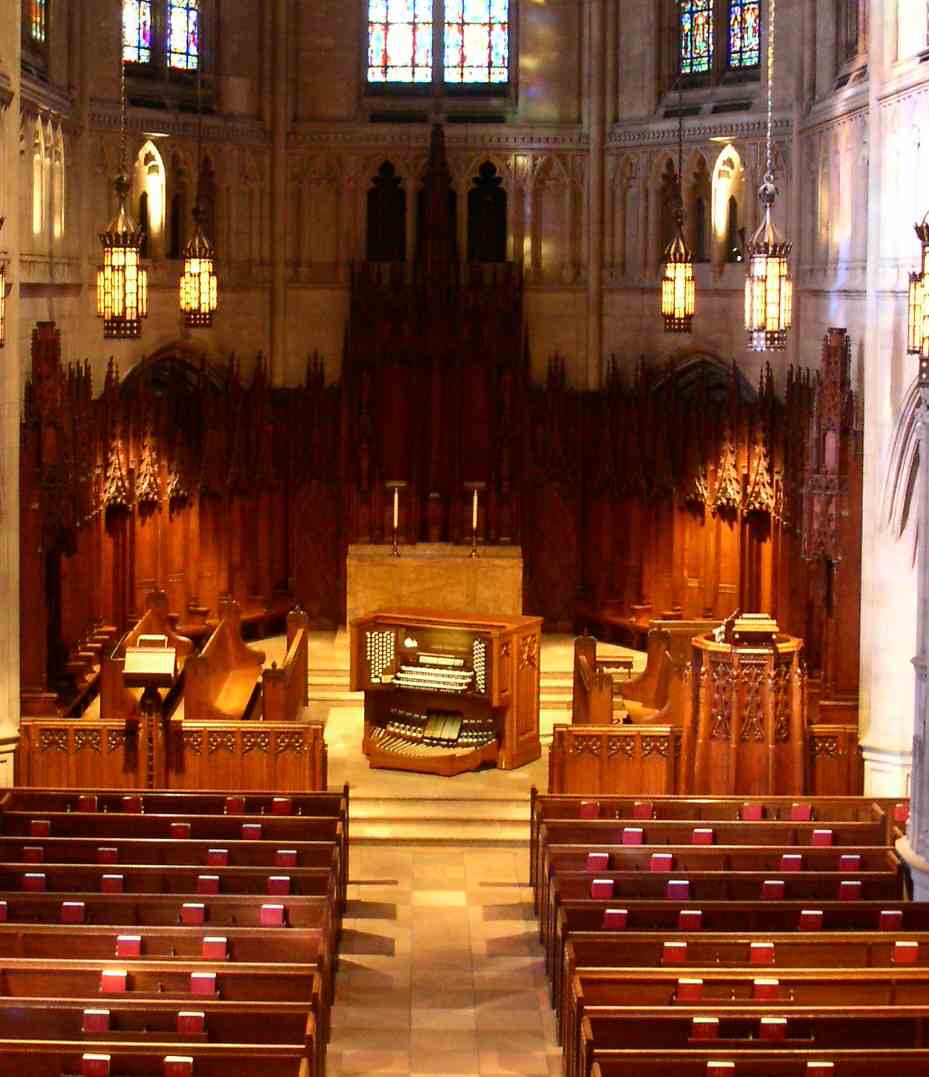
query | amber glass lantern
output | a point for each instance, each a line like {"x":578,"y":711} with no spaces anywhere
{"x":122,"y":283}
{"x":199,"y":291}
{"x":768,"y":287}
{"x":678,"y":292}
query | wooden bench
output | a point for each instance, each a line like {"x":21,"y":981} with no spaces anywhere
{"x":284,"y":689}
{"x":116,"y":700}
{"x":222,"y":681}
{"x":592,"y":698}
{"x":793,"y":1063}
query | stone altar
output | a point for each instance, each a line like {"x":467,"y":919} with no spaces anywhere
{"x":436,"y":575}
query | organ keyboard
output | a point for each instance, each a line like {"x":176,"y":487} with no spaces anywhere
{"x":445,"y":692}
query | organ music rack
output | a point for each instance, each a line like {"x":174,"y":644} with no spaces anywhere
{"x":447,"y":692}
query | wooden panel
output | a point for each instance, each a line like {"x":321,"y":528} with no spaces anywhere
{"x":835,"y":767}
{"x":614,"y":760}
{"x":73,"y":753}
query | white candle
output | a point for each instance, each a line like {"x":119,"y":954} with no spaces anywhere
{"x":396,"y":508}
{"x":474,"y":512}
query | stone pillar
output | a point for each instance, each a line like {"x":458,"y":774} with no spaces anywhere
{"x":12,"y":358}
{"x":595,"y":191}
{"x":914,"y":848}
{"x":278,"y":207}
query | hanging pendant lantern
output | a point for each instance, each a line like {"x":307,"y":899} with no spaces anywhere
{"x":122,"y":283}
{"x":678,"y":290}
{"x":917,"y":321}
{"x":768,"y":287}
{"x":199,"y":290}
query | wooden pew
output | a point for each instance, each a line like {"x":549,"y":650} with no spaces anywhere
{"x":656,"y":694}
{"x":144,"y":1059}
{"x":590,"y":963}
{"x":599,"y":759}
{"x":592,"y":698}
{"x":221,"y":682}
{"x":284,"y":689}
{"x":793,"y":1063}
{"x":175,"y":801}
{"x":117,"y":702}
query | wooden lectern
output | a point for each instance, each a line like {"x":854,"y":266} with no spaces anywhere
{"x":744,"y":712}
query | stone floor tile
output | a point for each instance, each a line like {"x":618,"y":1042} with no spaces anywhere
{"x":438,"y":1018}
{"x":432,"y":1063}
{"x":496,"y":1063}
{"x":440,"y":898}
{"x":368,"y":1062}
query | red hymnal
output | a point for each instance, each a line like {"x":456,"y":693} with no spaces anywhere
{"x":191,"y":1023}
{"x":33,"y":854}
{"x":112,"y":884}
{"x":791,"y":862}
{"x":801,"y":813}
{"x":690,"y":920}
{"x":752,"y":813}
{"x":72,"y":912}
{"x":87,"y":802}
{"x":633,"y":835}
{"x":821,"y":837}
{"x":235,"y":805}
{"x":598,"y":862}
{"x":107,"y":854}
{"x":811,"y":919}
{"x":704,"y":1028}
{"x":272,"y":916}
{"x":772,"y":890}
{"x":762,"y":953}
{"x":128,"y":945}
{"x":39,"y":828}
{"x":95,"y":1065}
{"x":193,"y":912}
{"x":113,"y":980}
{"x":34,"y":881}
{"x":661,"y":862}
{"x":203,"y":983}
{"x":901,"y":813}
{"x":251,"y":832}
{"x":214,"y":948}
{"x":905,"y":952}
{"x":674,"y":953}
{"x":615,"y":919}
{"x":94,"y":1022}
{"x":850,"y":862}
{"x":890,"y":920}
{"x":719,"y":1069}
{"x":282,"y":806}
{"x":207,"y":884}
{"x":601,"y":888}
{"x":181,"y":831}
{"x":287,"y":858}
{"x":678,"y":889}
{"x":278,"y":885}
{"x":642,"y":809}
{"x":765,"y":989}
{"x":689,"y":990}
{"x":773,"y":1028}
{"x":178,"y":1066}
{"x":217,"y":858}
{"x":850,"y":890}
{"x":589,"y":809}
{"x":3,"y":912}
{"x":132,"y":804}
{"x":701,"y":835}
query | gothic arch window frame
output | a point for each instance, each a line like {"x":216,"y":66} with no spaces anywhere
{"x":154,"y":81}
{"x":462,"y":97}
{"x":851,"y":44}
{"x":36,"y":26}
{"x":720,"y":70}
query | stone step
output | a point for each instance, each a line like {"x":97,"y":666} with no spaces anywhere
{"x":446,"y":809}
{"x":424,"y":831}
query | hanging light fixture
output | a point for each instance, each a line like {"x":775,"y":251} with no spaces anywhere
{"x":917,"y":320}
{"x":122,"y":283}
{"x":678,"y":291}
{"x":768,"y":287}
{"x":2,"y":295}
{"x":199,"y":288}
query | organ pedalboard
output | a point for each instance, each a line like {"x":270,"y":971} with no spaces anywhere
{"x":442,"y":694}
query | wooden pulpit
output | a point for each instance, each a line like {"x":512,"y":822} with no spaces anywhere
{"x":744,"y":713}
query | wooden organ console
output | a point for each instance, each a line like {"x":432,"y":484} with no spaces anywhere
{"x":447,"y":692}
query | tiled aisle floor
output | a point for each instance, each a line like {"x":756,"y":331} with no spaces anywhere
{"x":440,"y":970}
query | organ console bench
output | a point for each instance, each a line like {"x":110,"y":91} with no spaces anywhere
{"x":447,"y":692}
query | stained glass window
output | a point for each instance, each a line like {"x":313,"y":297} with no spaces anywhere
{"x":37,"y":20}
{"x":137,"y":31}
{"x":184,"y":34}
{"x":477,"y":41}
{"x":399,"y":40}
{"x":696,"y":23}
{"x":744,"y":33}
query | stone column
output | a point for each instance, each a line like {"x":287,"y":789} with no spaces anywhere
{"x":595,"y":190}
{"x":914,"y":848}
{"x":278,"y":206}
{"x":12,"y":358}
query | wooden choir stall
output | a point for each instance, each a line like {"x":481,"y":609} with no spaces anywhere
{"x":446,"y":692}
